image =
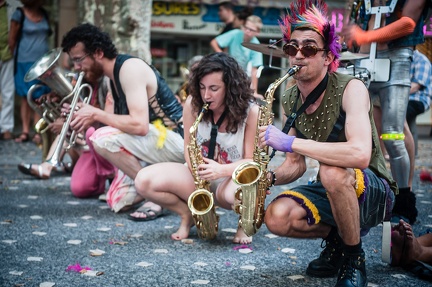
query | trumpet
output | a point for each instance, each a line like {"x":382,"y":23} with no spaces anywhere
{"x":55,"y":159}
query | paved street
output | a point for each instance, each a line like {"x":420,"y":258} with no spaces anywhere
{"x":45,"y":230}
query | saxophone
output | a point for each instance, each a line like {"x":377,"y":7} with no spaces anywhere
{"x":201,"y":202}
{"x":252,"y":176}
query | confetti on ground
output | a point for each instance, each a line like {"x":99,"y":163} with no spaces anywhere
{"x":430,"y":216}
{"x":47,"y":284}
{"x":35,"y":217}
{"x":119,"y":224}
{"x":34,"y":259}
{"x":248,"y":267}
{"x":288,"y":250}
{"x":231,"y":230}
{"x":70,"y":224}
{"x":39,"y":233}
{"x":73,"y":202}
{"x":200,"y":281}
{"x":104,"y":229}
{"x":187,"y":241}
{"x":9,"y":241}
{"x":296,"y":277}
{"x":118,"y":242}
{"x":32,"y":197}
{"x":169,"y":226}
{"x":372,"y":284}
{"x":419,"y":195}
{"x":22,"y":205}
{"x":271,"y":235}
{"x":74,"y":242}
{"x":229,"y":237}
{"x":13,"y":187}
{"x":77,"y":268}
{"x":426,"y":201}
{"x":14,"y":272}
{"x":91,"y":273}
{"x":144,"y":264}
{"x":86,"y":217}
{"x":5,"y":222}
{"x":200,"y":264}
{"x":97,"y":252}
{"x":399,"y":276}
{"x":160,"y":251}
{"x":242,"y":246}
{"x":136,"y":235}
{"x":245,"y":251}
{"x":104,"y":207}
{"x":428,"y":225}
{"x":220,"y":212}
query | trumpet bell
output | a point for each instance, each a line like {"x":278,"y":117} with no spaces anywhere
{"x":48,"y":70}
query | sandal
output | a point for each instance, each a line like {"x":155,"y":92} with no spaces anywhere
{"x":23,"y":137}
{"x":150,"y":214}
{"x":27,"y":168}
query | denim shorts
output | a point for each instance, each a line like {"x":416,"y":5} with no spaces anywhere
{"x":375,"y":200}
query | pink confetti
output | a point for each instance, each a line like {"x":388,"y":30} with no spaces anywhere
{"x":77,"y":268}
{"x":243,"y":246}
{"x":227,"y":263}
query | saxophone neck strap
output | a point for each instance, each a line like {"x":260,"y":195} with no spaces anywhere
{"x":310,"y":99}
{"x":214,"y":132}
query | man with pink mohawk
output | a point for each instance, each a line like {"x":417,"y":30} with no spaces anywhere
{"x":330,"y":120}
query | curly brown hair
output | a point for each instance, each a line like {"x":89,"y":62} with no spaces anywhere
{"x":237,"y":87}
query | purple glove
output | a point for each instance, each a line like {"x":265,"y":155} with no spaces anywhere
{"x":278,"y":140}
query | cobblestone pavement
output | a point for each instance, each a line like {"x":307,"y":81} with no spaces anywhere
{"x":44,"y":230}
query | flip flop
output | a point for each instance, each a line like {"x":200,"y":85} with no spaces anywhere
{"x":146,"y":210}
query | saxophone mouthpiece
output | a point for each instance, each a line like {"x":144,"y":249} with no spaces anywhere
{"x":293,"y":70}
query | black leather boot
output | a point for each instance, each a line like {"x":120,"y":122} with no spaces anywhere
{"x":353,"y":271}
{"x":330,"y":259}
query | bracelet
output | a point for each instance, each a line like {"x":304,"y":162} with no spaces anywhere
{"x":272,"y":183}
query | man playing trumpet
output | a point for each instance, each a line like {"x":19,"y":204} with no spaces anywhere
{"x":146,"y":126}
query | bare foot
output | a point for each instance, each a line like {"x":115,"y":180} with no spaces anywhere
{"x":412,"y":247}
{"x":241,"y":237}
{"x":397,"y":244}
{"x":183,"y":231}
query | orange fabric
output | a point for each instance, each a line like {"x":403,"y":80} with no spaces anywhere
{"x":402,"y":27}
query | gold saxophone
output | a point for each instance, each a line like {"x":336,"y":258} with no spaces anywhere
{"x":201,"y":202}
{"x":252,"y":176}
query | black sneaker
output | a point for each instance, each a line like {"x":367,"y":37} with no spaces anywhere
{"x":329,"y":261}
{"x":353,"y":271}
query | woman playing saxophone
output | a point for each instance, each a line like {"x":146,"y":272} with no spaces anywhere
{"x":232,"y":115}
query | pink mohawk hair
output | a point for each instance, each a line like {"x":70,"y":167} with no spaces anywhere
{"x":312,"y":14}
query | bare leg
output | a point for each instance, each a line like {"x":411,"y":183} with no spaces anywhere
{"x":171,"y":194}
{"x":225,"y":198}
{"x":285,"y":217}
{"x":339,"y":184}
{"x":410,"y":146}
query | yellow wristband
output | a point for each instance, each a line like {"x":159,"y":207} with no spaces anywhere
{"x":392,"y":137}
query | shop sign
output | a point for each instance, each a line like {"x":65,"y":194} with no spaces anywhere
{"x":202,"y":19}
